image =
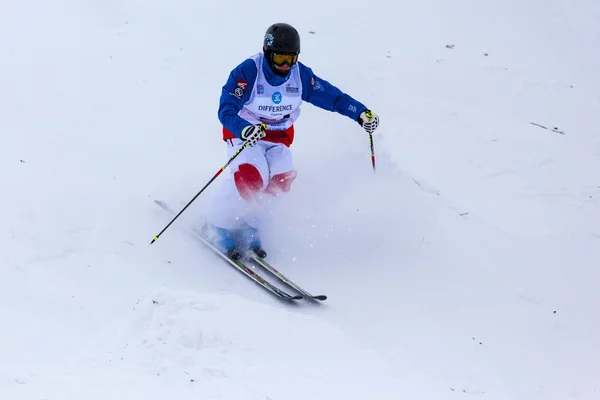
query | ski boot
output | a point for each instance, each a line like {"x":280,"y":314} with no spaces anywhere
{"x":222,"y":239}
{"x":250,"y":239}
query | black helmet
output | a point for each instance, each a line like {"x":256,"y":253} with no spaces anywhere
{"x":281,"y":38}
{"x":281,"y":42}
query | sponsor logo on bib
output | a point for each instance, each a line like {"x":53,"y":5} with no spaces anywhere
{"x":274,"y":109}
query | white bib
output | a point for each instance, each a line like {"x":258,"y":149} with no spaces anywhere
{"x":276,"y":106}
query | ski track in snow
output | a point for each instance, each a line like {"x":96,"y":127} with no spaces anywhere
{"x":465,"y":267}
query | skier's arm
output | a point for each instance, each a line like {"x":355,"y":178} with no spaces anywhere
{"x":323,"y":94}
{"x":235,"y":93}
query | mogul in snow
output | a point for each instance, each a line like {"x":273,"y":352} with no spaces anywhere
{"x":259,"y":104}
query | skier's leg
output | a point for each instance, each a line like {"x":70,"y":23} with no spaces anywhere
{"x":275,"y":179}
{"x":282,"y":172}
{"x":236,"y":195}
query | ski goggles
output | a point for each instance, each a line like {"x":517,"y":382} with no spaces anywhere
{"x":280,"y":59}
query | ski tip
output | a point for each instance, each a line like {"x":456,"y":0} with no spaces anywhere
{"x":320,"y":297}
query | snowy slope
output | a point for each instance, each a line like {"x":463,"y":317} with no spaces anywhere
{"x":467,"y":265}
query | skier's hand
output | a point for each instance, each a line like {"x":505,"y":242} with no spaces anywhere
{"x":253,"y":133}
{"x":368,"y":120}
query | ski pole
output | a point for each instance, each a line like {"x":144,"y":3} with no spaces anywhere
{"x":237,"y":153}
{"x":369,"y":115}
{"x":372,"y":150}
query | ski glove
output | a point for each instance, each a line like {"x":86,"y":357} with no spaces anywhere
{"x":368,"y":120}
{"x":253,"y":133}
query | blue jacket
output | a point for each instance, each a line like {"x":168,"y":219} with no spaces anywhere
{"x":315,"y":90}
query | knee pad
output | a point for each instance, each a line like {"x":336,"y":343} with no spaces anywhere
{"x":248,"y":181}
{"x":281,"y":183}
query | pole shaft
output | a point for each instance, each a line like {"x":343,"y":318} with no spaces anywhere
{"x":372,"y":150}
{"x":237,"y":153}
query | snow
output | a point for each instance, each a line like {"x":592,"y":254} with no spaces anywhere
{"x":465,"y":266}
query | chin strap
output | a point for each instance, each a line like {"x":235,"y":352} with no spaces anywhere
{"x":276,"y":72}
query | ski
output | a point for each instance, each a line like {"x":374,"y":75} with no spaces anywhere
{"x":240,"y":266}
{"x":243,"y":268}
{"x":263,"y":263}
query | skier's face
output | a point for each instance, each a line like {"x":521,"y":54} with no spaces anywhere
{"x":282,"y":68}
{"x":283,"y":62}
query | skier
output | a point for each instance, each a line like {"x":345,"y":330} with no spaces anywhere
{"x":259,"y":104}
